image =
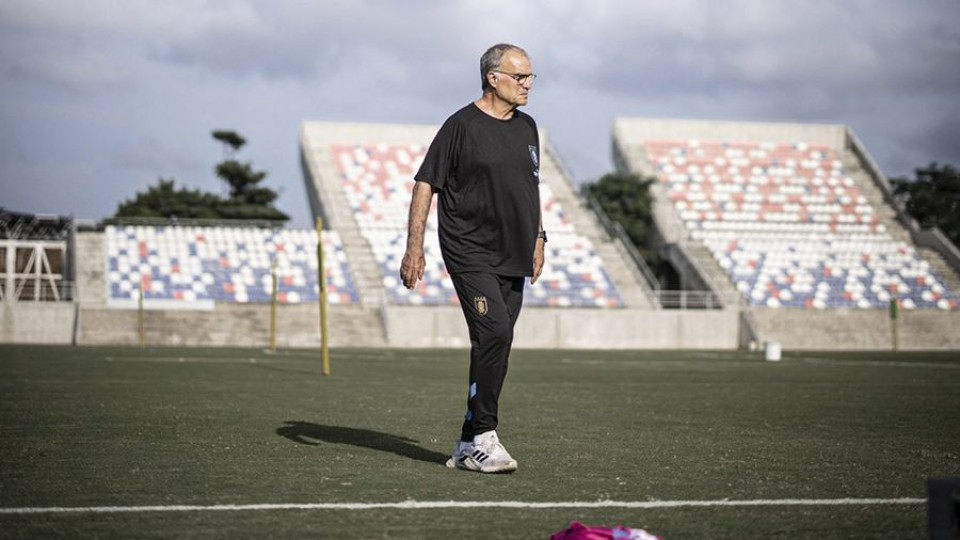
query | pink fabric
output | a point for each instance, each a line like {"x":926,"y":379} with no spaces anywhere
{"x":579,"y":531}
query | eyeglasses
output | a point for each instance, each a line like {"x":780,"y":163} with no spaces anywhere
{"x":521,"y":78}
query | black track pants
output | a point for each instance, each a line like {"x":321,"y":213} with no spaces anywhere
{"x":491,"y":305}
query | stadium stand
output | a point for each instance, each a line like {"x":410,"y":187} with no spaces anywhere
{"x":799,"y":242}
{"x":377,"y":181}
{"x":197,"y":266}
{"x":591,"y":294}
{"x":794,"y":219}
{"x":206,"y":320}
{"x":791,"y":228}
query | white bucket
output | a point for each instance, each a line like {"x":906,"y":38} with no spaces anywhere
{"x":772,"y":349}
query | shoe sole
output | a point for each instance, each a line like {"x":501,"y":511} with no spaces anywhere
{"x":509,"y":469}
{"x":506,"y":469}
{"x":470,"y":464}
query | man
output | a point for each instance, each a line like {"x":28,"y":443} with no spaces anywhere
{"x":485,"y":164}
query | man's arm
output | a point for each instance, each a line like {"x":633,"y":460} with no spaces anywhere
{"x":538,"y":253}
{"x":411,"y":268}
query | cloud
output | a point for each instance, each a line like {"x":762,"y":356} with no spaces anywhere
{"x":173,"y":20}
{"x":29,"y":186}
{"x":131,"y":90}
{"x":152,"y":156}
{"x":79,"y":71}
{"x":252,"y":38}
{"x":763,"y":45}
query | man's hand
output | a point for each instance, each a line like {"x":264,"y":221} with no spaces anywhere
{"x":413,"y":263}
{"x":537,"y":260}
{"x":411,"y":268}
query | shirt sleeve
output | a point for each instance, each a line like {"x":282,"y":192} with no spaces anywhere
{"x":536,"y":137}
{"x":440,"y":163}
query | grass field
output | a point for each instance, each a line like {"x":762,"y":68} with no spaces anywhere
{"x":107,"y":432}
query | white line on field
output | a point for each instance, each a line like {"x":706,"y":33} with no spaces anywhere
{"x":432,"y":505}
{"x":199,"y":359}
{"x":854,"y":362}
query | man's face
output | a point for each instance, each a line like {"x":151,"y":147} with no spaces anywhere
{"x":506,"y":87}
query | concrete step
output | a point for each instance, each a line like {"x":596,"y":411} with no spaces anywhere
{"x":634,"y":295}
{"x":636,"y":292}
{"x":941,"y":268}
{"x":873,"y":194}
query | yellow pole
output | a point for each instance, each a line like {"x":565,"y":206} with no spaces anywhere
{"x":322,"y":298}
{"x":895,"y":322}
{"x":140,"y":323}
{"x":273,"y":307}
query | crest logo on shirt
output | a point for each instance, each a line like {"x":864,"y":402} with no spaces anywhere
{"x":480,"y":302}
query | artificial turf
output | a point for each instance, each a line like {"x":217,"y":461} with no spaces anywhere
{"x":129,"y":427}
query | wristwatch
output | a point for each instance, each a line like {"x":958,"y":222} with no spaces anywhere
{"x":542,"y":234}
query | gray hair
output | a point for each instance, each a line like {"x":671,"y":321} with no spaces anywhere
{"x":490,"y":61}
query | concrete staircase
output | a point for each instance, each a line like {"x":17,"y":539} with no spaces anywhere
{"x":873,"y":194}
{"x":633,"y":288}
{"x":363,"y":265}
{"x":889,"y":217}
{"x":688,"y":252}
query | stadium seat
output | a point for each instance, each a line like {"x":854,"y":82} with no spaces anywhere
{"x":791,"y":228}
{"x":224,"y":264}
{"x":378,"y":182}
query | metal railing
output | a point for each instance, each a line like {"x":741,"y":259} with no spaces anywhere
{"x":666,"y":299}
{"x":193,"y":222}
{"x":689,"y":300}
{"x":615,"y":232}
{"x":30,"y":291}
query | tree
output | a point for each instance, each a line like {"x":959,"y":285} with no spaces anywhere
{"x":246,"y":200}
{"x":626,"y":199}
{"x":165,"y":201}
{"x":933,"y":198}
{"x":231,"y":141}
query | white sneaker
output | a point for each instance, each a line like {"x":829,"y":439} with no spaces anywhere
{"x":460,"y":452}
{"x":488,"y":455}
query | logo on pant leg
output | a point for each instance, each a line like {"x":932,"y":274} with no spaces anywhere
{"x":480,"y":302}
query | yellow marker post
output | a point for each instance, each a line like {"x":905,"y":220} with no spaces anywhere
{"x":895,"y":323}
{"x":322,"y":298}
{"x":273,"y":307}
{"x":141,"y":327}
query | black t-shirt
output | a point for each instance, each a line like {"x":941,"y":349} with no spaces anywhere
{"x":486,"y":172}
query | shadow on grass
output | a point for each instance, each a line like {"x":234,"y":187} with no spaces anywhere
{"x":313,"y":434}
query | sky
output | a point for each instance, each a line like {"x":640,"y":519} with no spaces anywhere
{"x":101,"y":98}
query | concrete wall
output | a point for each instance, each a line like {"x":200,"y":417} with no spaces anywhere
{"x":37,"y":322}
{"x":847,"y":329}
{"x":239,"y":325}
{"x":636,"y":130}
{"x":545,"y":328}
{"x":426,"y":327}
